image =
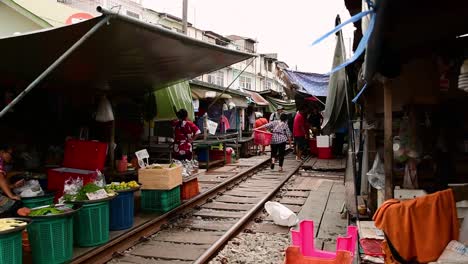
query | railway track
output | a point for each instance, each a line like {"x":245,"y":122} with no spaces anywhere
{"x":196,"y":231}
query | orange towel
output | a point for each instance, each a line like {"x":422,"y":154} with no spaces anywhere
{"x":419,"y":229}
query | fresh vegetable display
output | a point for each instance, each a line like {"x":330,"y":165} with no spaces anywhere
{"x":7,"y":224}
{"x":115,"y":186}
{"x":50,"y":210}
{"x":88,"y":188}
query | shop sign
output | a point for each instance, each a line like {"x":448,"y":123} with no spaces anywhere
{"x":78,"y":17}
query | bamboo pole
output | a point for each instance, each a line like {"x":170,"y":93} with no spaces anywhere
{"x":388,"y":140}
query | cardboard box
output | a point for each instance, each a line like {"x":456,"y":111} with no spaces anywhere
{"x":160,"y":179}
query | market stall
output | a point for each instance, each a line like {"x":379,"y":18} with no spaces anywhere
{"x":414,"y":132}
{"x":62,"y":73}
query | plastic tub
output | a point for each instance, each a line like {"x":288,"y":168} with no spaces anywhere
{"x":51,"y":237}
{"x":189,"y":189}
{"x":32,"y":202}
{"x":160,"y":201}
{"x":92,"y":223}
{"x":51,"y":240}
{"x":11,"y":248}
{"x":122,"y":210}
{"x":262,"y":138}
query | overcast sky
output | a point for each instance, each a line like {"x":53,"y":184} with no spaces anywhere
{"x":284,"y":27}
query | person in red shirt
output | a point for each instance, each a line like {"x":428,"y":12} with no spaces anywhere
{"x":261,"y":121}
{"x":185,"y":132}
{"x":300,"y":133}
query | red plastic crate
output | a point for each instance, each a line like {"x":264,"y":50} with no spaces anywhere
{"x":219,"y":155}
{"x":85,"y":155}
{"x":189,"y":189}
{"x":81,"y":160}
{"x":325,"y":153}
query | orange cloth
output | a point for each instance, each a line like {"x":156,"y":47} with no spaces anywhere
{"x":419,"y":229}
{"x":260,"y":122}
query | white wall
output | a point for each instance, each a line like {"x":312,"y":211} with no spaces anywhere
{"x":11,"y":22}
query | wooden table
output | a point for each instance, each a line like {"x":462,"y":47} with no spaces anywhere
{"x":161,"y":152}
{"x":205,"y":145}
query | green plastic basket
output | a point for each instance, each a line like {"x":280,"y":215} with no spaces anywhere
{"x":160,"y":201}
{"x":51,"y":240}
{"x":11,"y":248}
{"x":39,"y":201}
{"x":92,"y":224}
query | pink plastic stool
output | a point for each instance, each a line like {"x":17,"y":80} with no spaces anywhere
{"x":304,"y":239}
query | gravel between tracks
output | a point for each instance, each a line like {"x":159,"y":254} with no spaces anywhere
{"x":259,"y":248}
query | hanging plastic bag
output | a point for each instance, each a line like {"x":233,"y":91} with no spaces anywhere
{"x":376,"y":175}
{"x":100,"y":179}
{"x":104,"y":111}
{"x":281,"y":214}
{"x":70,"y":189}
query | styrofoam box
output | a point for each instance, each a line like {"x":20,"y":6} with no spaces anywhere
{"x":323,"y":142}
{"x":462,"y":209}
{"x":405,"y":194}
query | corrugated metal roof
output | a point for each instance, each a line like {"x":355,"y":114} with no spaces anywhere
{"x":258,"y":99}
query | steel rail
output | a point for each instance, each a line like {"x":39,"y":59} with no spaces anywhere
{"x":131,"y":237}
{"x":235,"y":229}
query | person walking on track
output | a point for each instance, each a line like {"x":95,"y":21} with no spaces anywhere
{"x":258,"y":124}
{"x":281,"y":135}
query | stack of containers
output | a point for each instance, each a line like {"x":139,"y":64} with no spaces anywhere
{"x":324,"y":147}
{"x":81,"y":160}
{"x":160,"y":188}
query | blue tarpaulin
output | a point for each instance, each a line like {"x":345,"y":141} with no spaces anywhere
{"x":312,"y":83}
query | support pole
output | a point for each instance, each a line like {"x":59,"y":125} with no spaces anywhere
{"x":184,"y":16}
{"x":111,"y":144}
{"x":388,"y":140}
{"x":54,"y":65}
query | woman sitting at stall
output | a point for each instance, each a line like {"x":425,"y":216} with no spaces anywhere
{"x":185,"y":132}
{"x":281,"y":135}
{"x":9,"y":202}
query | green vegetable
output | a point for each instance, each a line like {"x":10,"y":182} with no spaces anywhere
{"x":88,"y":188}
{"x":45,"y":211}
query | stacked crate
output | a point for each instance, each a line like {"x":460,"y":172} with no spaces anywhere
{"x":160,"y":188}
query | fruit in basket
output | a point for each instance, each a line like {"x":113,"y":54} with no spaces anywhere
{"x":122,"y":186}
{"x":133,"y":184}
{"x":7,"y":224}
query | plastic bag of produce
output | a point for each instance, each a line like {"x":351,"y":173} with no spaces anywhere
{"x":31,"y":188}
{"x":70,"y":189}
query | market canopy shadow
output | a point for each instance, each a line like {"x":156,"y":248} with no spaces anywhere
{"x":124,"y":55}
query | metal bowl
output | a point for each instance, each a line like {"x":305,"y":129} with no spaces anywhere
{"x":18,"y":228}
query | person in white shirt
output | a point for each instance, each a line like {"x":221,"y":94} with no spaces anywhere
{"x":277,"y":114}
